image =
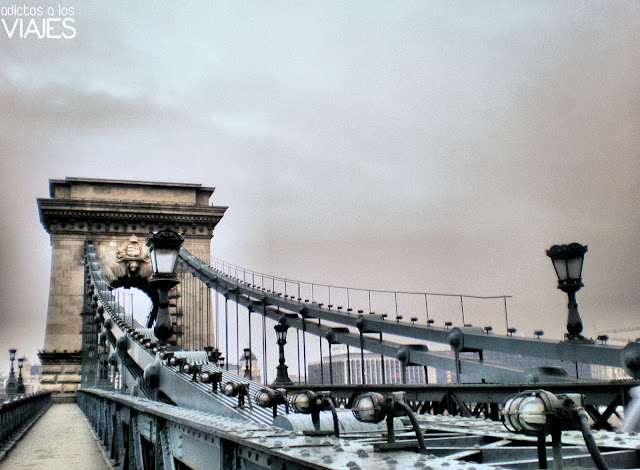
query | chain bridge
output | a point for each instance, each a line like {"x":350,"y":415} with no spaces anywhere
{"x":236,"y":369}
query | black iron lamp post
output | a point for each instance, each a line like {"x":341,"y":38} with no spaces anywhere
{"x":567,"y":261}
{"x":247,"y":360}
{"x":163,"y":248}
{"x":11,"y":385}
{"x":20,"y":387}
{"x":282,"y":377}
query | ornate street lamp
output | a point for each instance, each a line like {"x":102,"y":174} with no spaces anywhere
{"x":567,"y":261}
{"x":20,"y":387}
{"x":163,"y":248}
{"x":247,"y":359}
{"x":11,"y":385}
{"x":282,"y":377}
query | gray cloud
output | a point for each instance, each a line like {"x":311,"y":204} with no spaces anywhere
{"x":416,"y":146}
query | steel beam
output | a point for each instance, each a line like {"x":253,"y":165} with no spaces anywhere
{"x":200,"y":440}
{"x":473,"y":338}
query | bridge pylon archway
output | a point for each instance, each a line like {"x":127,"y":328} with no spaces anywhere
{"x":116,"y":215}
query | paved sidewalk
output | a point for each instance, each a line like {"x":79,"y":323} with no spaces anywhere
{"x":61,"y":439}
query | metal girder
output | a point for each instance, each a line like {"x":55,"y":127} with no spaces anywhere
{"x":601,"y":421}
{"x":187,"y":393}
{"x":120,"y":439}
{"x":136,"y":462}
{"x":472,"y":338}
{"x":491,"y":372}
{"x":201,"y":440}
{"x":164,"y":454}
{"x":188,"y":436}
{"x":465,"y":411}
{"x":186,"y":447}
{"x":180,"y":389}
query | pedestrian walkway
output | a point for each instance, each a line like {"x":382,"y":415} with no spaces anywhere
{"x":61,"y":439}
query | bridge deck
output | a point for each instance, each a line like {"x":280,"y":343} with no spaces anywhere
{"x":61,"y":439}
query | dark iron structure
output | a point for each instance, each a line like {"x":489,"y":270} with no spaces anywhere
{"x":282,"y":377}
{"x":567,"y":261}
{"x":131,"y":388}
{"x":11,"y":385}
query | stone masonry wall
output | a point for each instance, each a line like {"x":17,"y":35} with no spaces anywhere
{"x":106,"y":211}
{"x":62,"y":380}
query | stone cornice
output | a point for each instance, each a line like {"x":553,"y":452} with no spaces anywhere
{"x":110,"y":182}
{"x":59,"y":357}
{"x":73,"y":216}
{"x":126,"y":207}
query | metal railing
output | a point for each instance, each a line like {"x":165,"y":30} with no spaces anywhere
{"x":274,"y":304}
{"x":421,"y":306}
{"x":17,"y":415}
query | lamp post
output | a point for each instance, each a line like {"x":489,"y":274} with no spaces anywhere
{"x":163,"y":248}
{"x":247,"y":359}
{"x":20,"y":387}
{"x":567,"y":261}
{"x":282,"y":377}
{"x":11,"y":385}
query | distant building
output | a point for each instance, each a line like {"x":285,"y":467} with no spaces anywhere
{"x":344,"y":365}
{"x":583,"y":371}
{"x":317,"y":374}
{"x":238,"y":369}
{"x":30,"y":378}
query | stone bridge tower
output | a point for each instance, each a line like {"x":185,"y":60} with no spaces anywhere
{"x":116,"y":215}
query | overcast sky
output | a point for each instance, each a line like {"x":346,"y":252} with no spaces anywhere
{"x":434,"y":146}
